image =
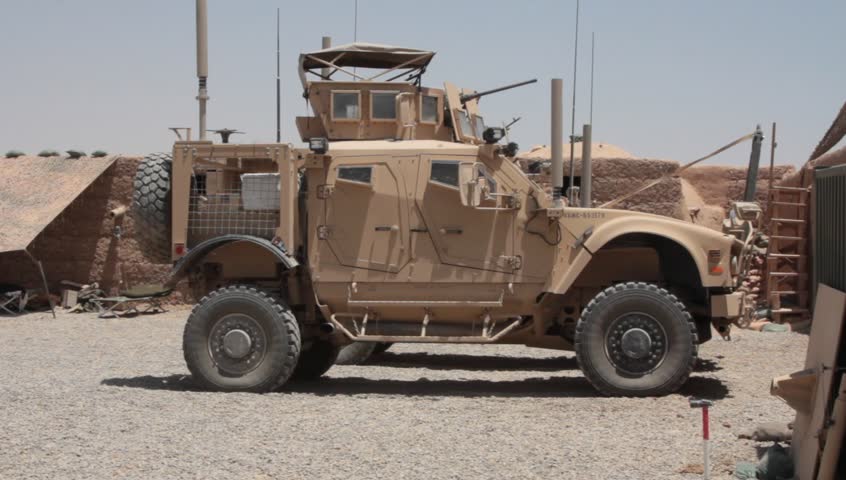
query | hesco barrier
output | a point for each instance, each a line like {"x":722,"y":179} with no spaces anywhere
{"x":830,"y":227}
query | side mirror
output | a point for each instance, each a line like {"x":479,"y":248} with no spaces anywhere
{"x":468,"y":185}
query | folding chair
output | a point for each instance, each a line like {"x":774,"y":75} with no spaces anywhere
{"x":137,"y":300}
{"x":16,"y":299}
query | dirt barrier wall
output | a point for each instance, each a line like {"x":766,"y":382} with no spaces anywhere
{"x":80,"y":245}
{"x":722,"y":184}
{"x":615,"y":177}
{"x":707,"y":189}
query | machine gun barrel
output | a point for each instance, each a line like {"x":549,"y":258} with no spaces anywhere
{"x":473,"y":96}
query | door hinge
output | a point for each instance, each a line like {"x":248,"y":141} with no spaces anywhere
{"x":325,"y":191}
{"x":513,"y":261}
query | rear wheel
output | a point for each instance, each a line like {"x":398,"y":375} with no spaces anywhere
{"x":315,"y":361}
{"x":635,"y":339}
{"x":238,"y":339}
{"x":381,"y":348}
{"x":151,"y":206}
{"x":356,"y":353}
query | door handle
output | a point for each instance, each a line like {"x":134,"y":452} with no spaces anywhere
{"x":451,"y":230}
{"x":387,"y":228}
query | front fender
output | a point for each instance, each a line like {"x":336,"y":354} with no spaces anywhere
{"x":593,"y":234}
{"x":198,"y":253}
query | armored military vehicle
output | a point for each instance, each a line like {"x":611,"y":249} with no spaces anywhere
{"x":406,"y":220}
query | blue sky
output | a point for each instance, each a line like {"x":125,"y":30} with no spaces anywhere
{"x":674,"y":79}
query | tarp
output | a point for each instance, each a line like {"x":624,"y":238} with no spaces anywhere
{"x":35,"y":190}
{"x":367,"y":55}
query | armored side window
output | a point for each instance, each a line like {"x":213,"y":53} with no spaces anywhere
{"x":356,"y":174}
{"x":445,"y":172}
{"x":464,"y":123}
{"x":345,"y":105}
{"x":383,"y":105}
{"x":429,"y":109}
{"x":480,"y":125}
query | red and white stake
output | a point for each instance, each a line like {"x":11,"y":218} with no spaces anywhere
{"x":706,"y":433}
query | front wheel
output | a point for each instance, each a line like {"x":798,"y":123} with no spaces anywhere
{"x":238,"y":339}
{"x":636,"y":339}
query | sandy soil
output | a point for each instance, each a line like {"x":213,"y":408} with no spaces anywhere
{"x":84,"y":397}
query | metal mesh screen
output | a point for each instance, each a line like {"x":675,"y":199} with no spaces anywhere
{"x":243,"y":204}
{"x":830,"y":220}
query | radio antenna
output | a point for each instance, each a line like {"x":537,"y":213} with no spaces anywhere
{"x":571,"y":194}
{"x":355,"y":32}
{"x":355,"y":23}
{"x":278,"y":89}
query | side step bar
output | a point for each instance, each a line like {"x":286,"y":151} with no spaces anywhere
{"x":424,"y":338}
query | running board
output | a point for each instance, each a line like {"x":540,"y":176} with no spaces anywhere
{"x":423,"y":338}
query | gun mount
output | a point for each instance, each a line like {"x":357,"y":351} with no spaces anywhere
{"x":474,"y":96}
{"x":364,"y":91}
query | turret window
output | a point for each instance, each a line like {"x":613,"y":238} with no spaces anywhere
{"x":346,"y":105}
{"x":383,"y":105}
{"x":429,"y":109}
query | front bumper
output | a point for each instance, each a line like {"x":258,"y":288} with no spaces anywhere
{"x":728,"y":306}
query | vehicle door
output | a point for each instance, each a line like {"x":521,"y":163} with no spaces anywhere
{"x":365,"y":221}
{"x":463,"y":236}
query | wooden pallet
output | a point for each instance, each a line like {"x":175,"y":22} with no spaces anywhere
{"x":787,"y":254}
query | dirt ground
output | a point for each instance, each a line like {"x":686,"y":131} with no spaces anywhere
{"x":84,"y":397}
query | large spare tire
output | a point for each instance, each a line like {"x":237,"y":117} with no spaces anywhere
{"x":151,"y":206}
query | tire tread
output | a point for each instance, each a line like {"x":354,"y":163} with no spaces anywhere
{"x":595,"y":379}
{"x":284,"y":365}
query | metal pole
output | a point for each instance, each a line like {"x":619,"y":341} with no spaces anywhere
{"x":43,"y":281}
{"x":325,"y":43}
{"x":592,"y":51}
{"x":557,"y":142}
{"x":278,"y":86}
{"x":572,"y":191}
{"x":586,"y":166}
{"x":202,"y":62}
{"x":754,"y":160}
{"x":773,"y":146}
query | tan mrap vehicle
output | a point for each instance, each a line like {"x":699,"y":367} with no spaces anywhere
{"x":406,"y":221}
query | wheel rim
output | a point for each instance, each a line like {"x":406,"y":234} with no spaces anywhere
{"x":237,"y":344}
{"x":636,"y":343}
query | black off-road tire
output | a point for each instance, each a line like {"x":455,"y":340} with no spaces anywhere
{"x":315,"y":361}
{"x":356,"y":353}
{"x":151,"y":206}
{"x":273,"y":352}
{"x":643,"y":306}
{"x":381,"y":348}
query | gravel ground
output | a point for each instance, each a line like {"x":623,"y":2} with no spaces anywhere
{"x":84,"y":397}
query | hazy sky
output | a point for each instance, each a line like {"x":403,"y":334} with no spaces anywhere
{"x":674,"y":79}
